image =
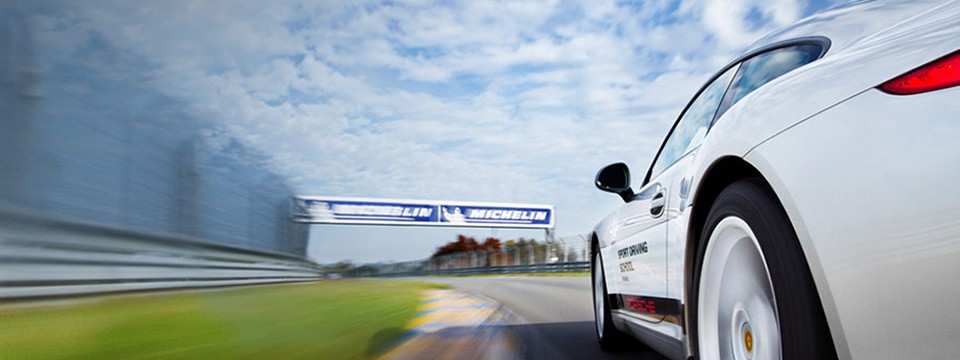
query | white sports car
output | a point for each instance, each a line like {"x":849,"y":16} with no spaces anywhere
{"x":806,"y":203}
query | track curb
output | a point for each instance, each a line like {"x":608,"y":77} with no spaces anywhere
{"x":456,"y":324}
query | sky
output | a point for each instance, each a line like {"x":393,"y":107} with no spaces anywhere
{"x":495,"y":101}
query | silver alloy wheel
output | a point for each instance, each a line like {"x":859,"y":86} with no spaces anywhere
{"x":598,"y":293}
{"x":736,"y":308}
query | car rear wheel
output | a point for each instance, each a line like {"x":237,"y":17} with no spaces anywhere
{"x":755,"y":297}
{"x":607,"y":335}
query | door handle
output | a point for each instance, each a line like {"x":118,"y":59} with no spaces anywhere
{"x":657,"y":203}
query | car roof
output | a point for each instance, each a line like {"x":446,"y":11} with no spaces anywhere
{"x":850,"y":23}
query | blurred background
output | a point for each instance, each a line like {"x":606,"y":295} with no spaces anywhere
{"x":148,"y":146}
{"x":86,"y":138}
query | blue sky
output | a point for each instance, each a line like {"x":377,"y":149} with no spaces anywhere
{"x":497,"y":101}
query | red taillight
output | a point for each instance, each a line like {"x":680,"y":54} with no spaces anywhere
{"x":939,"y":74}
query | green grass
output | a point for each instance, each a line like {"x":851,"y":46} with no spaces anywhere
{"x":347,"y":319}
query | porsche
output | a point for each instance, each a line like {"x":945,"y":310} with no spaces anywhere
{"x":804,"y":204}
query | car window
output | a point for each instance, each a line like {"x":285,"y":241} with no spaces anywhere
{"x":693,"y":125}
{"x":763,"y":68}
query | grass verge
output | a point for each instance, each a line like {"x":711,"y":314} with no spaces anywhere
{"x":347,"y":319}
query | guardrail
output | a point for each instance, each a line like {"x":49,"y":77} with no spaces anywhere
{"x":513,"y":256}
{"x":506,"y":269}
{"x":42,"y":258}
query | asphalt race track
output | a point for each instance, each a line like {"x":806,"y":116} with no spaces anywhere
{"x":555,"y":315}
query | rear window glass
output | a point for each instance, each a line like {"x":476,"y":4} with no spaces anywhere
{"x":763,"y":68}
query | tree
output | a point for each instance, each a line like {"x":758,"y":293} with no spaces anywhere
{"x":341,"y":266}
{"x":491,"y":244}
{"x":465,"y":244}
{"x":462,"y":245}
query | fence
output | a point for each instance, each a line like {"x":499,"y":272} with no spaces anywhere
{"x":40,"y":257}
{"x":568,"y":253}
{"x":93,"y":139}
{"x":511,"y":269}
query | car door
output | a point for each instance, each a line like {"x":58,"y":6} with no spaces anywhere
{"x":641,"y":247}
{"x":637,"y":253}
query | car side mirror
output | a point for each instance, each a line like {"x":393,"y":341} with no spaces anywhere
{"x":615,"y":178}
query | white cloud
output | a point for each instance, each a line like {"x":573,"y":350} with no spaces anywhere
{"x":474,"y":100}
{"x":737,"y":23}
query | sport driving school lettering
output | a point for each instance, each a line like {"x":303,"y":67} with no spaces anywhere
{"x":633,"y":250}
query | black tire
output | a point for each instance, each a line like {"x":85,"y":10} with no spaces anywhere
{"x":804,"y":333}
{"x":609,"y":338}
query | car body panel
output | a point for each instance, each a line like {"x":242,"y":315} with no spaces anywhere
{"x":840,"y":75}
{"x":885,"y":165}
{"x":856,"y":22}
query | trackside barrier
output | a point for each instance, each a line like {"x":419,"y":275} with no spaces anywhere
{"x":523,"y":256}
{"x":512,"y":269}
{"x":40,"y":257}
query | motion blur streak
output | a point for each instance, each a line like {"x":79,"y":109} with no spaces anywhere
{"x":553,"y":315}
{"x":85,"y":138}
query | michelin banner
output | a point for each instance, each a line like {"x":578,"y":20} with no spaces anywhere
{"x":362,"y":211}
